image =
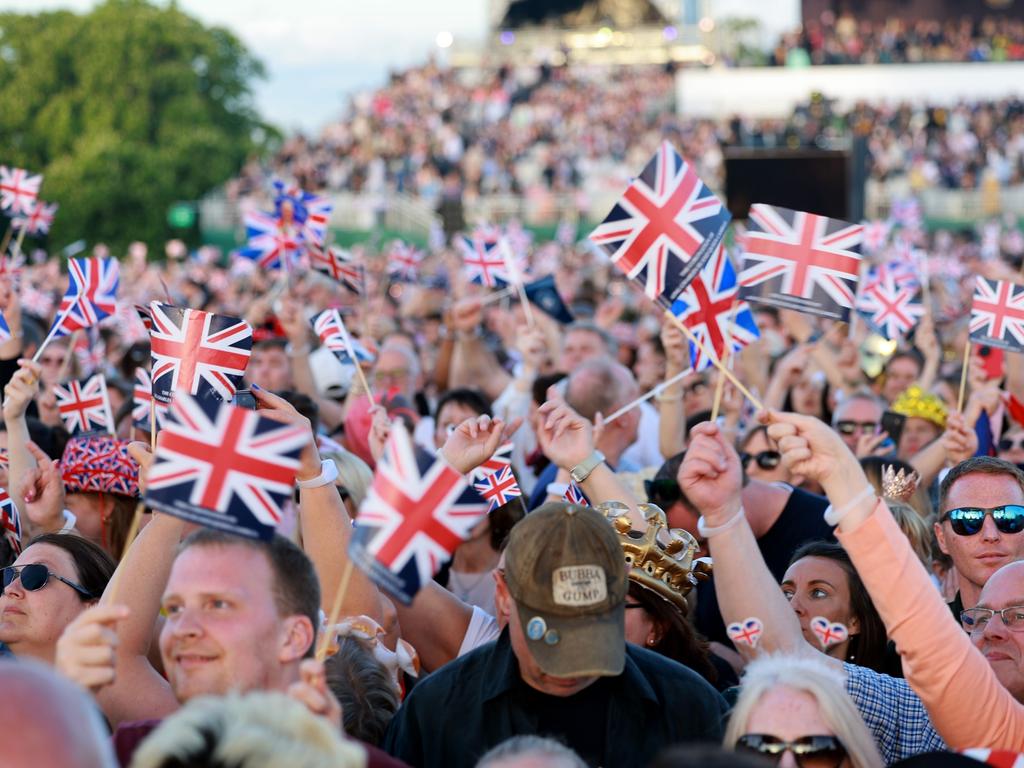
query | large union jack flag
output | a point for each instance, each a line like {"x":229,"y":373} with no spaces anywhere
{"x":404,"y":262}
{"x":38,"y":219}
{"x":499,"y":487}
{"x":330,"y":328}
{"x":10,"y":521}
{"x":483,"y":259}
{"x":271,"y":243}
{"x":997,"y":314}
{"x":197,"y":352}
{"x":801,"y":261}
{"x":84,"y":406}
{"x":411,"y":521}
{"x":18,"y":189}
{"x":664,"y":228}
{"x":90,"y":297}
{"x":340,"y":266}
{"x":224,"y":467}
{"x":310,"y":212}
{"x":710,"y":307}
{"x":889,"y":300}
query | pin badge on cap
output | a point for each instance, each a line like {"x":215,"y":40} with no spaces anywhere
{"x":536,"y":628}
{"x":551,"y":637}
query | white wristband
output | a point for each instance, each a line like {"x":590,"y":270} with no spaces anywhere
{"x":707,"y":531}
{"x":69,"y":521}
{"x":328,"y":474}
{"x":833,"y":515}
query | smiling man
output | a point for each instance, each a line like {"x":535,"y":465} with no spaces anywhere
{"x":562,"y":667}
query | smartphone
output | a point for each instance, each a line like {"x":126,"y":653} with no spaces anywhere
{"x":244,"y":399}
{"x":892,"y":424}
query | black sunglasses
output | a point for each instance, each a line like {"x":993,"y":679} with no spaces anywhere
{"x":34,"y":576}
{"x":809,"y":751}
{"x":850,"y":427}
{"x":1006,"y":444}
{"x":967,"y":521}
{"x":764,"y":459}
{"x":663,"y":492}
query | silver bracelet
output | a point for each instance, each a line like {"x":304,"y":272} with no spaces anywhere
{"x":833,"y":515}
{"x":707,"y":531}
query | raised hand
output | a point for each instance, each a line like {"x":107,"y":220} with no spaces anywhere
{"x":87,"y":649}
{"x":312,"y":692}
{"x":467,"y":314}
{"x":811,"y":448}
{"x":23,"y":386}
{"x":380,"y":430}
{"x":710,"y":474}
{"x":677,"y":348}
{"x":563,"y":435}
{"x":144,"y":458}
{"x":42,"y":489}
{"x":532,"y":345}
{"x":474,"y":441}
{"x":279,"y":409}
{"x":959,"y":440}
{"x":871,"y":445}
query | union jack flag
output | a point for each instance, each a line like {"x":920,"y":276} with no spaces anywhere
{"x":483,"y":259}
{"x":997,"y":314}
{"x":5,"y":330}
{"x":889,"y":301}
{"x":907,"y":213}
{"x":502,"y":458}
{"x":37,"y":303}
{"x":340,"y":266}
{"x":145,"y":316}
{"x":38,"y":219}
{"x":18,"y":189}
{"x":411,"y":520}
{"x":404,"y":262}
{"x":499,"y":487}
{"x":309,"y":212}
{"x":574,"y":495}
{"x":90,"y":297}
{"x":801,"y":261}
{"x":143,"y":402}
{"x":224,"y":467}
{"x":84,"y":406}
{"x":195,"y":352}
{"x":664,"y":228}
{"x":519,"y":239}
{"x":90,"y":351}
{"x":270,"y":242}
{"x":10,"y":521}
{"x":876,"y":235}
{"x":330,"y":328}
{"x":710,"y":307}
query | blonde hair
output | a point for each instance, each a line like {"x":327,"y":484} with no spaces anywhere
{"x":824,"y":684}
{"x":353,"y":474}
{"x":915,"y":528}
{"x":255,"y":730}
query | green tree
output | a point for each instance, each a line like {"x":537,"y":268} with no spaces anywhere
{"x":124,"y":109}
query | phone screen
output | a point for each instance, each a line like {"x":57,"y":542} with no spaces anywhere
{"x":244,"y":399}
{"x":892,"y":424}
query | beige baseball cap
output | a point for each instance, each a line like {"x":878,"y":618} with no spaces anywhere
{"x":565,"y":570}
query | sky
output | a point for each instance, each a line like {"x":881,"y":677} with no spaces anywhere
{"x":318,"y":52}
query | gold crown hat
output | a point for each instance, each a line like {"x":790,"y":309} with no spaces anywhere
{"x":898,"y":485}
{"x":659,"y":558}
{"x":915,"y":402}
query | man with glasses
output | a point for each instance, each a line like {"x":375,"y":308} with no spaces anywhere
{"x":980,"y":523}
{"x":858,"y":417}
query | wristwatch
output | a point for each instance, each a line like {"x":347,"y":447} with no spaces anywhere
{"x":582,"y":471}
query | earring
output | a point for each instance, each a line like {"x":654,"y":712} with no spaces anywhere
{"x":650,"y":641}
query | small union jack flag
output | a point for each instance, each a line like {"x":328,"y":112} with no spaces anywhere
{"x":224,"y":467}
{"x":340,"y":266}
{"x":709,"y":307}
{"x":502,"y":458}
{"x":499,"y":487}
{"x":270,"y":242}
{"x":145,"y":316}
{"x":38,"y":219}
{"x":35,"y":302}
{"x":18,"y":189}
{"x":404,"y":262}
{"x":330,"y":328}
{"x":574,"y":495}
{"x":85,"y":407}
{"x":483,"y":259}
{"x":411,"y":521}
{"x":10,"y":521}
{"x":890,"y":302}
{"x":90,"y":297}
{"x":310,"y":212}
{"x":5,"y":330}
{"x":997,"y":314}
{"x":876,"y":235}
{"x":197,"y":352}
{"x":664,"y":228}
{"x":801,"y":261}
{"x":143,"y":402}
{"x":90,"y":351}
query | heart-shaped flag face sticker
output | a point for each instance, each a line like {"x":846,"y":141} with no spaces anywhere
{"x":746,"y":632}
{"x":829,"y":633}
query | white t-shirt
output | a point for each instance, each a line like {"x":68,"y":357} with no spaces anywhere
{"x":483,"y":628}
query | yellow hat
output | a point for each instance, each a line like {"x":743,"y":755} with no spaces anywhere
{"x":915,"y":402}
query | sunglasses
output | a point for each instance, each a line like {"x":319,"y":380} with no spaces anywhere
{"x":809,"y":751}
{"x":663,"y":492}
{"x":35,"y":576}
{"x":976,"y":619}
{"x":852,"y":427}
{"x":967,"y":521}
{"x":764,"y":459}
{"x":1006,"y":444}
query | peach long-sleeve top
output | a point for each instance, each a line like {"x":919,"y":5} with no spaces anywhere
{"x":967,"y":704}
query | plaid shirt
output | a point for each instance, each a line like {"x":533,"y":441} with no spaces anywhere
{"x":893,"y":713}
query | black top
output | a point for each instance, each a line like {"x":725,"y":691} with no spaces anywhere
{"x":478,"y":701}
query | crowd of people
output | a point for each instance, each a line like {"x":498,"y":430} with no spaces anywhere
{"x":558,"y":634}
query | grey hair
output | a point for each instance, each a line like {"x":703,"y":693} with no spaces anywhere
{"x":559,"y":755}
{"x":607,"y":339}
{"x":860,"y":394}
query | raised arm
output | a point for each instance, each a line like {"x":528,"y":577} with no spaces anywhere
{"x":298,"y":332}
{"x":671,"y":412}
{"x":472,"y":363}
{"x":18,"y":393}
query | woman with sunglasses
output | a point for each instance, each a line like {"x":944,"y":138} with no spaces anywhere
{"x":795,"y":712}
{"x":1011,"y":446}
{"x":762,"y":461}
{"x":53,"y":580}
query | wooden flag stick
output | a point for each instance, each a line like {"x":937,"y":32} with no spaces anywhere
{"x":963,"y":375}
{"x":17,"y":243}
{"x":648,"y":395}
{"x":720,"y":382}
{"x":497,"y":295}
{"x":717,"y":363}
{"x":152,"y":423}
{"x":7,"y":239}
{"x":65,"y":367}
{"x":332,"y":619}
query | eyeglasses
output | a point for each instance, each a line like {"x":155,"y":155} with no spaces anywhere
{"x":852,"y":427}
{"x":764,"y":459}
{"x":34,"y":576}
{"x":976,"y":619}
{"x":664,"y":492}
{"x":809,"y":751}
{"x":967,"y":521}
{"x":1006,"y":444}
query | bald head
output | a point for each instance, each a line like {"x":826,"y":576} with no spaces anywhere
{"x":600,"y":385}
{"x":53,"y":723}
{"x":1004,"y":587}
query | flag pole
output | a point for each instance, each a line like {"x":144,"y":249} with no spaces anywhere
{"x":648,"y":395}
{"x":332,"y":619}
{"x":720,"y":382}
{"x":65,"y":367}
{"x":17,"y":243}
{"x":7,"y":239}
{"x":717,"y":363}
{"x":497,"y":295}
{"x":963,"y":375}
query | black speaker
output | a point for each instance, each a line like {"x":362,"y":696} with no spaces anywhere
{"x":827,"y":182}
